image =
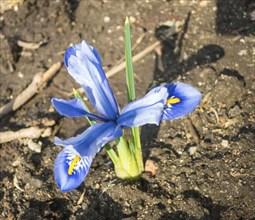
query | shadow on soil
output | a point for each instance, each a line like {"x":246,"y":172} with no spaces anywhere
{"x":51,"y":209}
{"x":169,"y":66}
{"x":214,"y":210}
{"x":104,"y":208}
{"x":239,"y":19}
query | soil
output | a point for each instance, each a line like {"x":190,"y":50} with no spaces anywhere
{"x":205,"y":162}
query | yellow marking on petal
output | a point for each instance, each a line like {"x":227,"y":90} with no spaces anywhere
{"x":172,"y":100}
{"x":75,"y":160}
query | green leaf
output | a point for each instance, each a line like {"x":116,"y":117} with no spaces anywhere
{"x":78,"y":96}
{"x":131,"y":94}
{"x":129,"y":64}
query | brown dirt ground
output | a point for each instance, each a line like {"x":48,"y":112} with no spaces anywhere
{"x":205,"y":162}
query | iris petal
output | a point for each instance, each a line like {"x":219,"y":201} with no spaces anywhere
{"x":188,"y":96}
{"x":146,"y":110}
{"x":84,"y":65}
{"x":65,"y":181}
{"x":93,"y":139}
{"x":73,"y":108}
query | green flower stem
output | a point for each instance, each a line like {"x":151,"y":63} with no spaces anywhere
{"x":112,"y":154}
{"x":127,"y":168}
{"x":78,"y":96}
{"x":108,"y":148}
{"x":131,"y":94}
{"x":138,"y":149}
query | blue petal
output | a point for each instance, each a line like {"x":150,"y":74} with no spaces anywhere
{"x":188,"y":96}
{"x":84,"y":65}
{"x":65,"y":181}
{"x":73,"y":108}
{"x":146,"y":110}
{"x":93,"y":139}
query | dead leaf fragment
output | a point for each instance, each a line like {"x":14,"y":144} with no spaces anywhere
{"x":150,"y":167}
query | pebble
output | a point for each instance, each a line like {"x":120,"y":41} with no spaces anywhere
{"x":36,"y":183}
{"x":20,"y":75}
{"x":97,"y":186}
{"x":242,"y":52}
{"x":234,"y":111}
{"x":37,"y":147}
{"x":192,"y":150}
{"x":84,"y":206}
{"x":224,"y":143}
{"x":169,"y":201}
{"x":132,"y":19}
{"x":107,"y":19}
{"x":203,"y":3}
{"x":16,"y":163}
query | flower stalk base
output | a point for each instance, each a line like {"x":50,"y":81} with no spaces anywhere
{"x":127,"y":167}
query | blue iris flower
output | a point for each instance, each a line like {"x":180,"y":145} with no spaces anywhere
{"x":161,"y":103}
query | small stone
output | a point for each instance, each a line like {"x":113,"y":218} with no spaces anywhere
{"x":36,"y":183}
{"x":37,"y":147}
{"x":234,"y":111}
{"x":242,"y":41}
{"x":192,"y":150}
{"x":126,"y":204}
{"x":169,"y":201}
{"x":107,"y":19}
{"x":243,"y":53}
{"x":16,"y":8}
{"x":16,"y":163}
{"x":203,"y":3}
{"x":48,"y":122}
{"x":84,"y":206}
{"x":150,"y":167}
{"x":20,"y":75}
{"x":224,"y":143}
{"x":132,"y":19}
{"x":47,"y":132}
{"x":97,"y":186}
{"x":121,"y":38}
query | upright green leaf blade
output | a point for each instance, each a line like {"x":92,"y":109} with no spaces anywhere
{"x":131,"y":93}
{"x":129,"y":63}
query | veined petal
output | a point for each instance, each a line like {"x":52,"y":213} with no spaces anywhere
{"x":93,"y":139}
{"x":182,"y":99}
{"x":146,"y":110}
{"x":70,"y":169}
{"x":84,"y":65}
{"x":73,"y":108}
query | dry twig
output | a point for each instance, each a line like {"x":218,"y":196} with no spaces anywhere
{"x":31,"y":46}
{"x":16,"y":184}
{"x":38,"y":82}
{"x":137,"y":57}
{"x":138,"y":41}
{"x":216,"y":114}
{"x":80,"y":201}
{"x":32,"y":132}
